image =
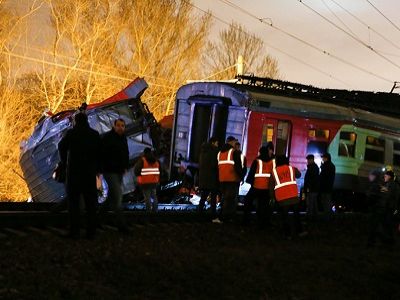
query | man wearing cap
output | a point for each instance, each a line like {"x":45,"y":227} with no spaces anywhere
{"x":327,"y":179}
{"x":231,"y":172}
{"x":311,"y":186}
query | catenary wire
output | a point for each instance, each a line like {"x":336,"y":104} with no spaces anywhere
{"x":89,"y":63}
{"x":383,"y":15}
{"x":280,"y":50}
{"x":262,"y":20}
{"x":338,"y":18}
{"x":366,"y":25}
{"x":42,"y":61}
{"x":350,"y":35}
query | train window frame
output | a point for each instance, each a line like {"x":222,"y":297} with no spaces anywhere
{"x":374,"y":149}
{"x":396,"y":153}
{"x":319,"y":134}
{"x":283,"y":137}
{"x":268,"y":133}
{"x":347,"y":144}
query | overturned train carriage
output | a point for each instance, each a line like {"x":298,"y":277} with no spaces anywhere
{"x":298,"y":119}
{"x":39,"y":154}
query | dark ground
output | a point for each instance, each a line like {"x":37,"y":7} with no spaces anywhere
{"x":201,"y":261}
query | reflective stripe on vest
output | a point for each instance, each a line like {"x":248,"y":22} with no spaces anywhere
{"x":150,"y":173}
{"x":287,"y":189}
{"x":226,"y":167}
{"x":261,"y":177}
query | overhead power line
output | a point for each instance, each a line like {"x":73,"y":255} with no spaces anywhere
{"x":350,"y":35}
{"x":337,"y":17}
{"x":366,"y":25}
{"x":276,"y":48}
{"x":42,"y":51}
{"x":42,"y":61}
{"x":383,"y":15}
{"x":263,"y":20}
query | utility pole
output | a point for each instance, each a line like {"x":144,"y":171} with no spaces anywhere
{"x":240,"y":65}
{"x":395,"y":86}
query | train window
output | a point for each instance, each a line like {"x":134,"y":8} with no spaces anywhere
{"x":318,"y":133}
{"x":396,"y":154}
{"x":268,"y":133}
{"x":375,"y":149}
{"x":282,"y":138}
{"x":347,"y":144}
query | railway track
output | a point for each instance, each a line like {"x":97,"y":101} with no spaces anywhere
{"x":20,"y":232}
{"x":17,"y":214}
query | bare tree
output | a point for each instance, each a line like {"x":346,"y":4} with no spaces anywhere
{"x":16,"y":118}
{"x":221,"y":56}
{"x":92,"y":48}
{"x":164,"y":39}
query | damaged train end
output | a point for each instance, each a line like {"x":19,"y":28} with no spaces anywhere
{"x":39,"y":153}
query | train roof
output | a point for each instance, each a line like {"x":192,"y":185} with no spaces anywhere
{"x":295,"y":99}
{"x":378,"y":102}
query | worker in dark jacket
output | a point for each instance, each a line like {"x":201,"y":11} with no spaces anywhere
{"x":311,"y":186}
{"x":148,"y":171}
{"x":258,"y":177}
{"x":388,"y":205}
{"x":327,"y":179}
{"x":115,"y":162}
{"x":231,"y":172}
{"x":374,"y":201}
{"x":79,"y":151}
{"x":208,"y":174}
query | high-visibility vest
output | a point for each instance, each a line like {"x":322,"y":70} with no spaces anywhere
{"x":285,"y":183}
{"x":150,"y":173}
{"x":263,"y":174}
{"x":226,"y":167}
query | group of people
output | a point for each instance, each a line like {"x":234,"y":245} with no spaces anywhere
{"x":85,"y":156}
{"x":222,"y":170}
{"x":319,"y":184}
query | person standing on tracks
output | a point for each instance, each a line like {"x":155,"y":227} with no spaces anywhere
{"x":148,"y":171}
{"x":79,"y":152}
{"x":311,"y":187}
{"x":258,"y":177}
{"x":327,"y":179}
{"x":283,"y":187}
{"x":231,"y":172}
{"x":208,"y":174}
{"x":375,"y":207}
{"x":388,"y":205}
{"x":115,"y":162}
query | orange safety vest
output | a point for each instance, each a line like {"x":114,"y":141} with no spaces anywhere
{"x":150,"y":173}
{"x":263,"y":174}
{"x":226,"y":167}
{"x":285,"y":183}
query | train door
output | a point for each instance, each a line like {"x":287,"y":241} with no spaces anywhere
{"x":207,"y":120}
{"x":278,"y":132}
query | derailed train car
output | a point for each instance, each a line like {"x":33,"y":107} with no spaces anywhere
{"x":359,"y":129}
{"x":39,"y":154}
